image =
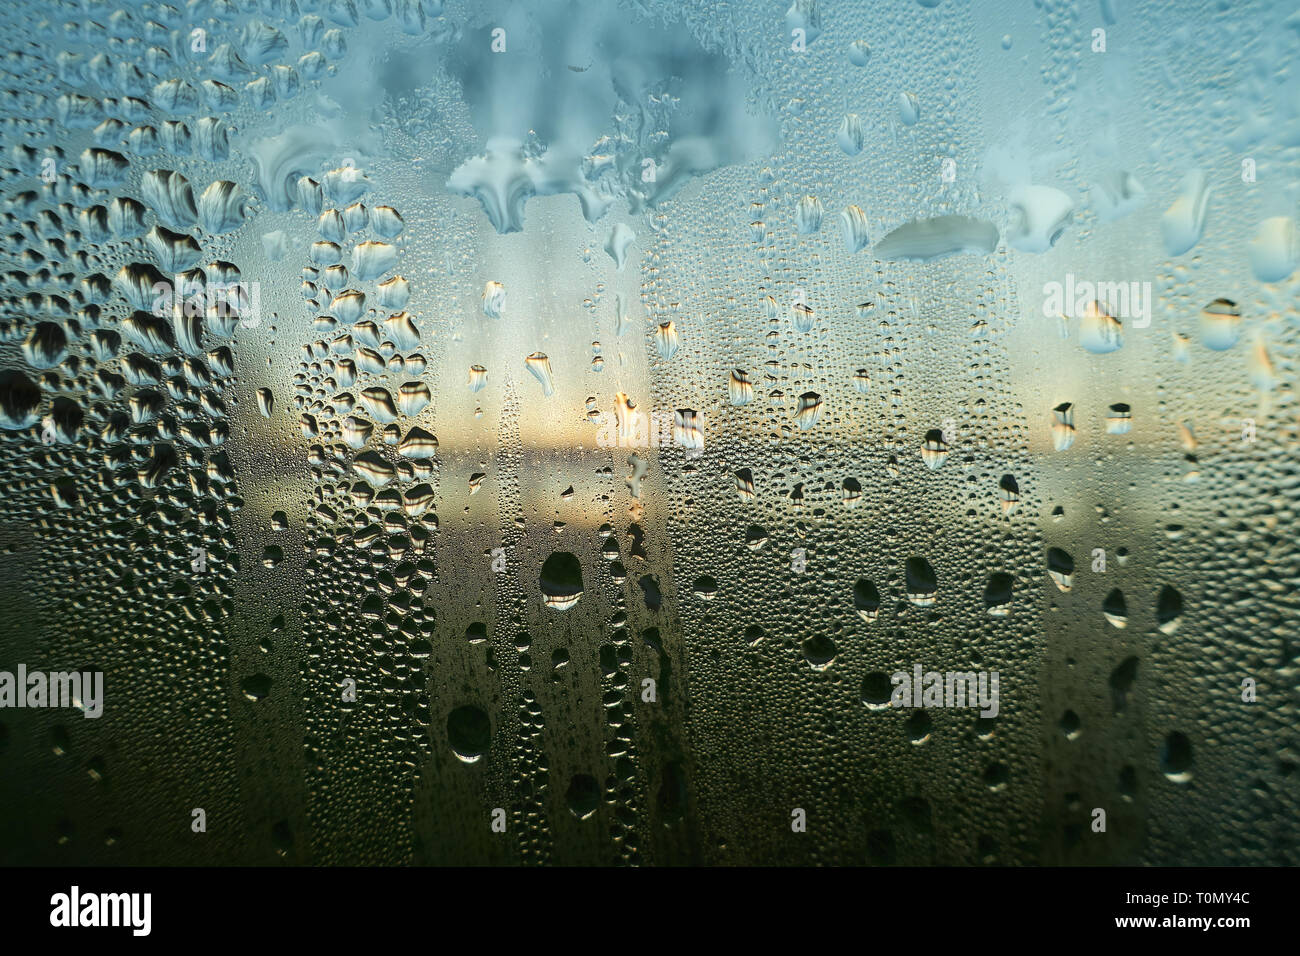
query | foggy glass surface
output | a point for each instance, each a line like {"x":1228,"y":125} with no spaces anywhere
{"x":478,"y":432}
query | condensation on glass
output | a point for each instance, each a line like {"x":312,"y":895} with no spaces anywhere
{"x":649,"y":433}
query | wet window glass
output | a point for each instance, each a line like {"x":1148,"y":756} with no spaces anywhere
{"x":654,"y":432}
